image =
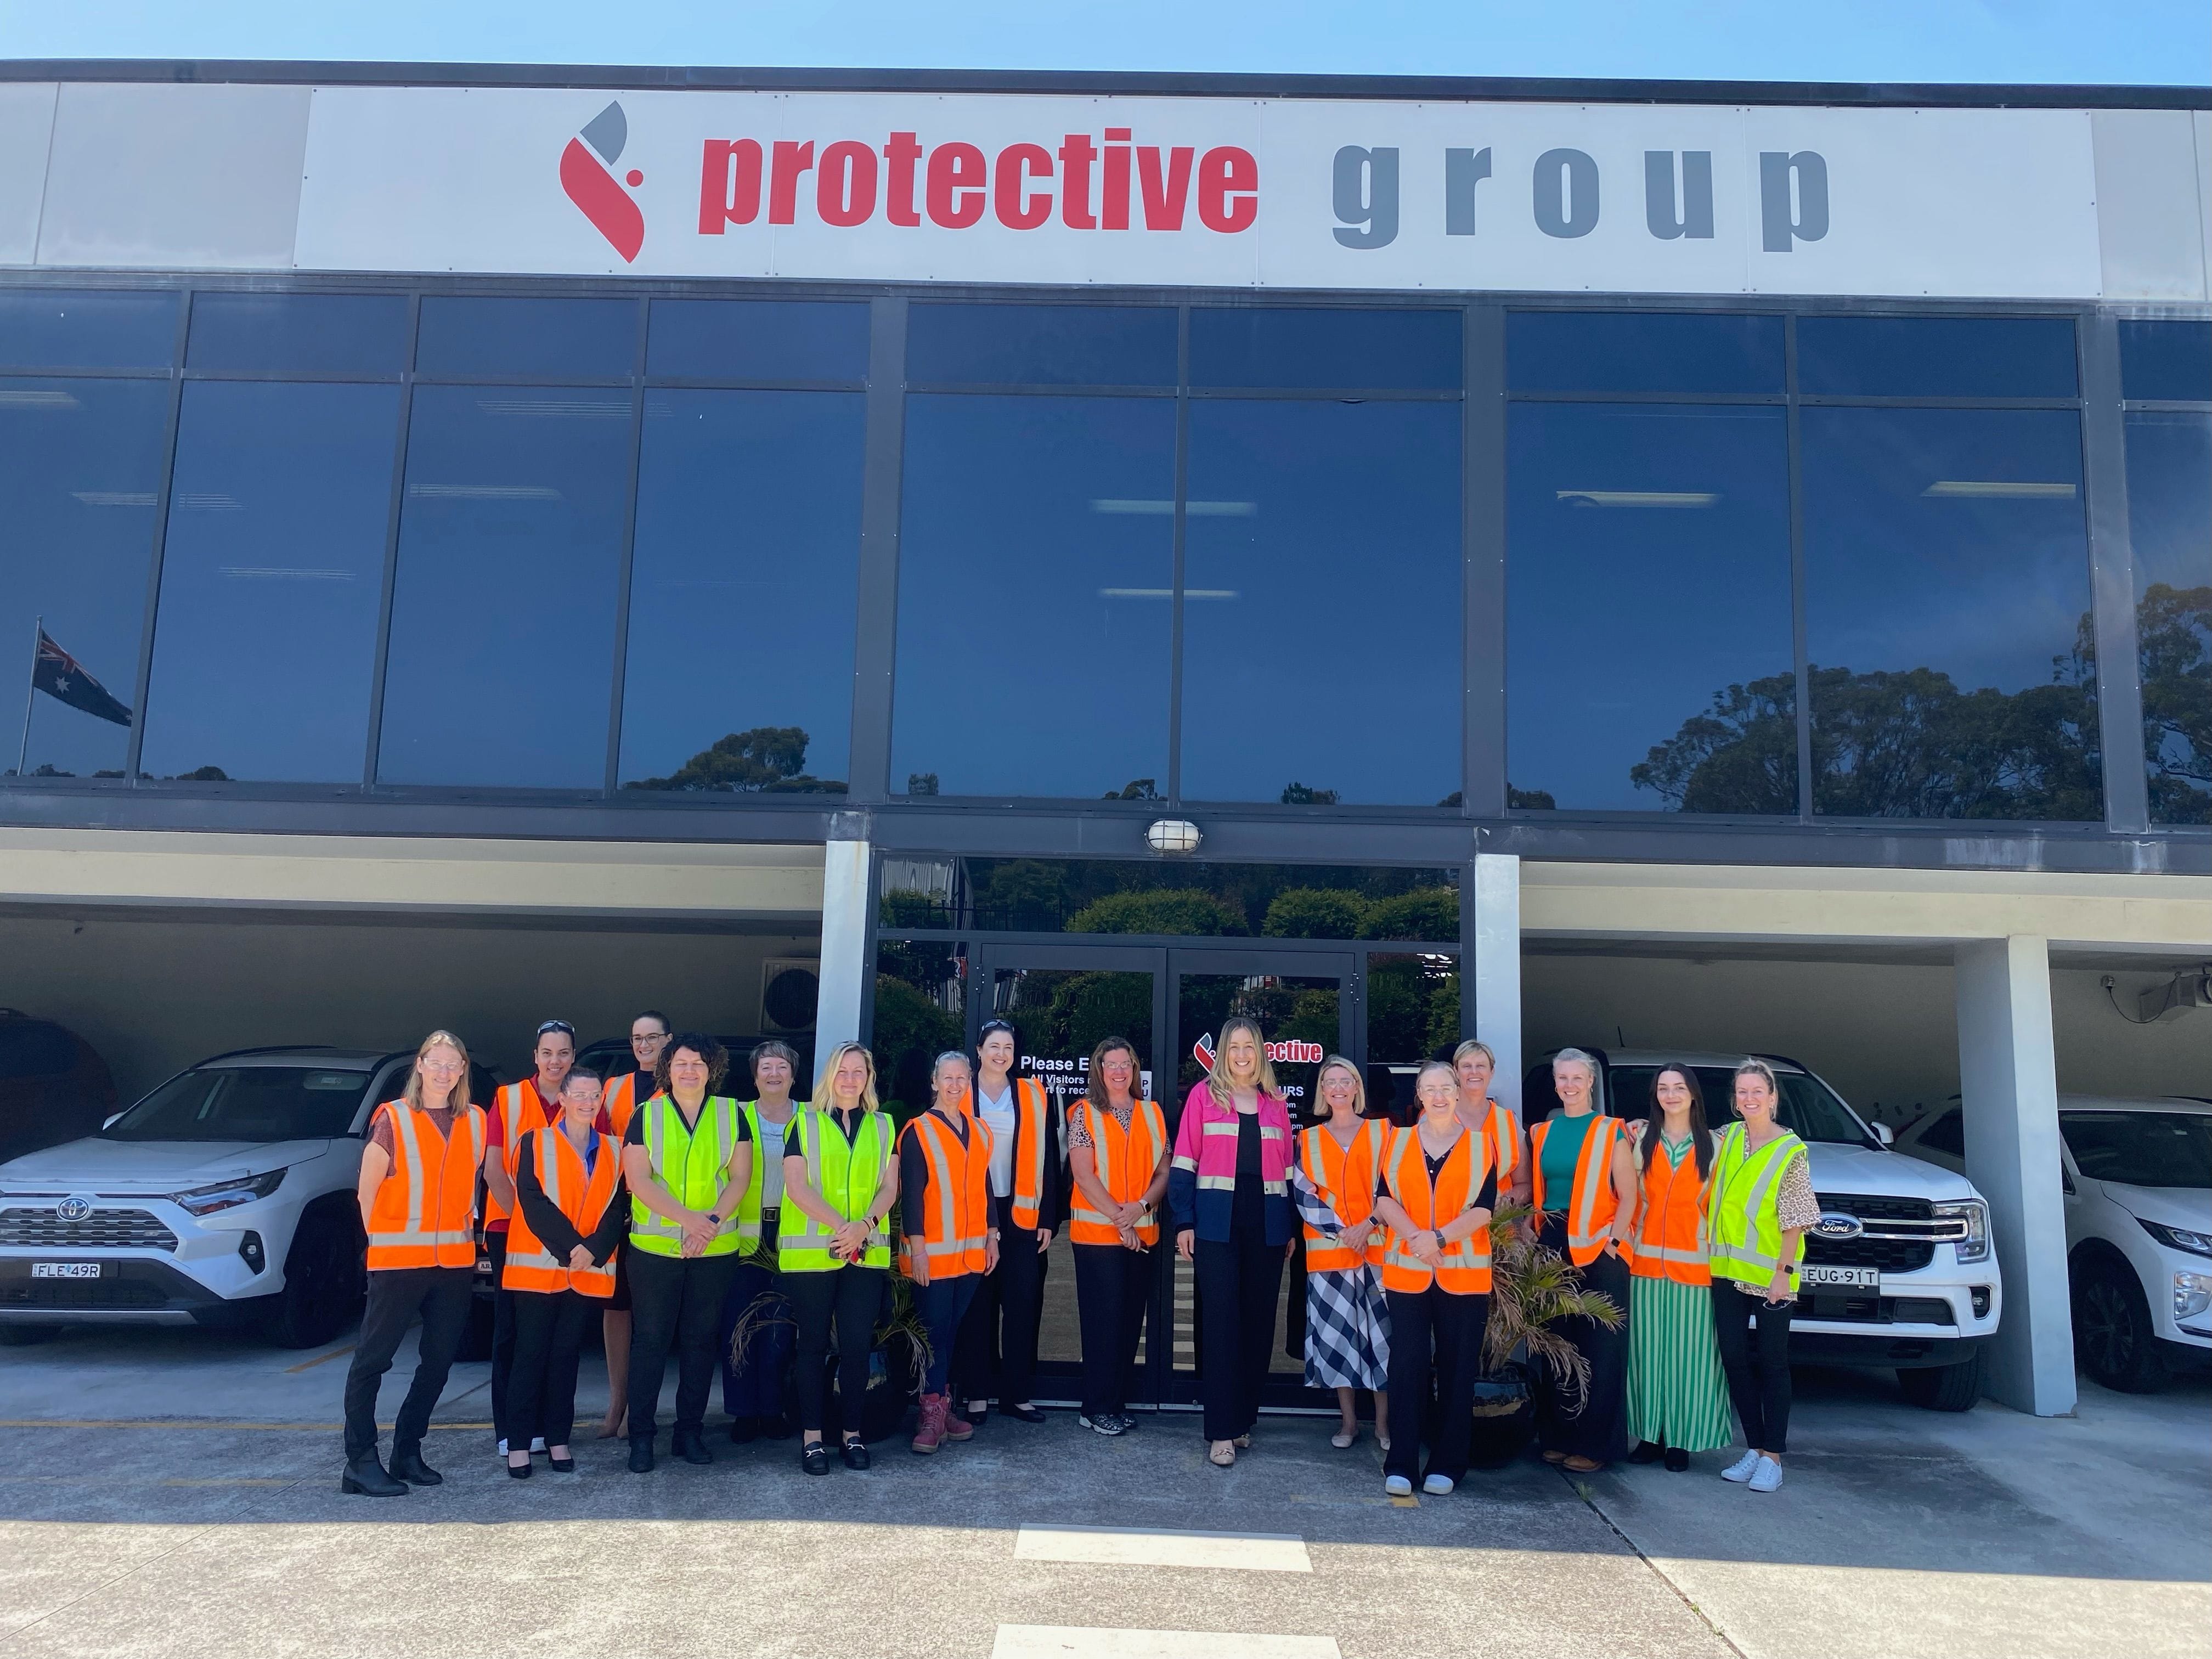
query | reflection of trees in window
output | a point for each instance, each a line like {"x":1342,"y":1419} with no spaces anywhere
{"x":1426,"y":912}
{"x":2173,"y":638}
{"x":1739,"y":755}
{"x":918,"y":1015}
{"x":1526,"y":800}
{"x":1412,"y":1008}
{"x":1299,"y":794}
{"x":769,"y":759}
{"x":1167,"y":911}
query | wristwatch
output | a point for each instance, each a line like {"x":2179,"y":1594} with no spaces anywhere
{"x":1438,"y":1233}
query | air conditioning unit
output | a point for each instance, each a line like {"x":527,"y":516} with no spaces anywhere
{"x":789,"y":989}
{"x":2190,"y":987}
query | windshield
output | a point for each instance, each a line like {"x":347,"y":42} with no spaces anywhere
{"x":2141,"y":1149}
{"x":246,"y":1103}
{"x":1808,"y":1110}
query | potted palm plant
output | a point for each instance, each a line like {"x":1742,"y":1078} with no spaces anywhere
{"x":896,"y":1364}
{"x":1531,"y":1289}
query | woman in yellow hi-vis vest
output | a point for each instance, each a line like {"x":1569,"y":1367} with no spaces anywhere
{"x":840,"y":1180}
{"x":1758,"y":1205}
{"x":687,"y":1159}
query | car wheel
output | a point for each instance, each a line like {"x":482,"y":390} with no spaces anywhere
{"x":22,"y":1336}
{"x":2114,"y":1340}
{"x":1944,"y":1388}
{"x":324,"y":1282}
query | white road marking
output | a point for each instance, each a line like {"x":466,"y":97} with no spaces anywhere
{"x":1079,"y":1642}
{"x":1164,"y":1547}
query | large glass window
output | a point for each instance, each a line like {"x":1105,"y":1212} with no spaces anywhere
{"x":2165,"y":361}
{"x":547,"y":339}
{"x":1321,"y":602}
{"x":362,"y":334}
{"x":1294,"y":347}
{"x":1648,"y":653}
{"x":1947,"y":604}
{"x":86,"y":328}
{"x":1935,"y":356}
{"x":1641,"y":351}
{"x":500,"y":667}
{"x":264,"y":642}
{"x":80,"y":467}
{"x":1041,"y":345}
{"x":2170,"y":524}
{"x":758,"y":340}
{"x":1036,"y":580}
{"x":739,"y":670}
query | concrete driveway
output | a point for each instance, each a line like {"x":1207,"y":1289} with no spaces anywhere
{"x":175,"y":1492}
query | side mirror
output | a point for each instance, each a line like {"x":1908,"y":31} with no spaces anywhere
{"x":1885,"y":1134}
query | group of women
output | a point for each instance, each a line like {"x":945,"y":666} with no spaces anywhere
{"x":1685,"y":1242}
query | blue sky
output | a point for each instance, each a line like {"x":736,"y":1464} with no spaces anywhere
{"x":2140,"y":41}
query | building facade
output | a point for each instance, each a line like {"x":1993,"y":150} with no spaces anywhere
{"x":1722,"y":567}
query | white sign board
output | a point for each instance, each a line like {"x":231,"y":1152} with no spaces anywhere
{"x":1202,"y":192}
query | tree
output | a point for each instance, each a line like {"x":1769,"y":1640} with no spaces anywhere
{"x":1526,"y":800}
{"x":1135,"y":789}
{"x":1314,"y":913}
{"x":766,"y":759}
{"x":1739,"y":754}
{"x":1163,"y":910}
{"x":1297,"y":794}
{"x":910,"y":1032}
{"x":2173,"y":639}
{"x":1021,"y":894}
{"x":1426,"y":913}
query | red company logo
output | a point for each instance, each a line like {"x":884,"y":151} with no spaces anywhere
{"x":586,"y":175}
{"x":1291,"y":1052}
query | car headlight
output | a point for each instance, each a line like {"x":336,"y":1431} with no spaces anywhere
{"x":2193,"y":1294}
{"x":1975,"y":1245}
{"x":2178,"y":1238}
{"x":227,"y":1194}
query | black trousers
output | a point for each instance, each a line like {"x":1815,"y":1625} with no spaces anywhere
{"x":1436,"y":1354}
{"x":676,"y":1302}
{"x":1599,"y":1431}
{"x":395,"y":1295}
{"x":1757,"y":1373}
{"x":995,"y":1357}
{"x":541,"y":1391}
{"x":851,"y":1296}
{"x":1112,"y":1286}
{"x":1238,"y":1285}
{"x":502,"y":1332}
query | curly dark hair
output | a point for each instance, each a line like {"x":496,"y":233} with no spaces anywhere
{"x":716,"y":1056}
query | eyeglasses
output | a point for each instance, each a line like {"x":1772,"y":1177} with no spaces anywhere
{"x":560,"y":1025}
{"x":447,"y":1067}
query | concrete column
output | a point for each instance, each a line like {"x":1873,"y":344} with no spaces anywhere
{"x":2008,"y":1080}
{"x":845,"y":965}
{"x":1493,"y":976}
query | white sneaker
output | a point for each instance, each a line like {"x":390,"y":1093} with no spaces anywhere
{"x":502,"y":1449}
{"x":1437,"y":1484}
{"x":1743,"y":1468}
{"x":1398,"y":1486}
{"x":537,"y":1443}
{"x":1767,"y":1477}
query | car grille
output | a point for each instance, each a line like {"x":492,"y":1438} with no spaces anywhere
{"x":1901,"y":1233}
{"x":103,"y":1230}
{"x":81,"y":1293}
{"x":1858,"y":1308}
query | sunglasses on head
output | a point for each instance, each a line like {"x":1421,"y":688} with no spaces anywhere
{"x":560,"y":1025}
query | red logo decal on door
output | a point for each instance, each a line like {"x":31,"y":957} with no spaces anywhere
{"x":585,"y":177}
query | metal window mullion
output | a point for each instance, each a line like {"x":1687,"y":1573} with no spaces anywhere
{"x":875,"y":618}
{"x":158,"y":552}
{"x":377,"y":669}
{"x":1483,"y":554}
{"x":1801,"y":665}
{"x":1176,"y":564}
{"x":2111,"y":578}
{"x":621,"y":659}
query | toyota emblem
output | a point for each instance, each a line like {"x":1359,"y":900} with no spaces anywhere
{"x":75,"y":1207}
{"x":1836,"y":1224}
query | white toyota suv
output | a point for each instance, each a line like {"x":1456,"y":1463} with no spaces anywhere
{"x":2138,"y":1176}
{"x":1898,"y":1272}
{"x":224,"y":1196}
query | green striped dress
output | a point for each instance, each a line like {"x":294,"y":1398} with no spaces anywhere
{"x":1677,"y":1394}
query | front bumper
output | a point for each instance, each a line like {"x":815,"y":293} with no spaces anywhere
{"x":1909,"y":1323}
{"x":130,"y":1291}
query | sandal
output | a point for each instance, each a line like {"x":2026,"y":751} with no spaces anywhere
{"x":1244,"y":1442}
{"x":1224,"y":1455}
{"x":1581,"y":1465}
{"x":1555,"y":1457}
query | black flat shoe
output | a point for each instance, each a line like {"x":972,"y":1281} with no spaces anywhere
{"x":641,"y":1457}
{"x":408,"y":1466}
{"x":855,"y":1454}
{"x":743,"y":1431}
{"x":1023,"y":1413}
{"x":562,"y":1465}
{"x":1678,"y":1461}
{"x":978,"y":1414}
{"x":814,"y":1459}
{"x":691,"y":1447}
{"x":364,"y":1477}
{"x":518,"y":1471}
{"x":1646,"y":1452}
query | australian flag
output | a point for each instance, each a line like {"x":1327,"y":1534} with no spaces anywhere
{"x":61,"y":677}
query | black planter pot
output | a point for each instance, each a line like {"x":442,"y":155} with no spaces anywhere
{"x":1505,"y":1417}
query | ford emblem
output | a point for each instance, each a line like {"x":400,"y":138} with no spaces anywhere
{"x":1836,"y":1224}
{"x":75,"y":1207}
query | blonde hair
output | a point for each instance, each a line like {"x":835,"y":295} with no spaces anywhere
{"x":1218,"y":1073}
{"x":1471,"y":1047}
{"x":1338,"y":1062}
{"x":836,"y":1058}
{"x":460,"y":1097}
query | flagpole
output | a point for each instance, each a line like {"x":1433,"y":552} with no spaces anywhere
{"x":30,"y":697}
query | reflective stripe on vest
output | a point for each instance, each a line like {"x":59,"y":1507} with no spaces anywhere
{"x":580,"y":1197}
{"x":620,"y":1104}
{"x":1670,"y":1223}
{"x":955,"y":1216}
{"x":521,"y":1108}
{"x":423,"y":1212}
{"x":846,"y":1176}
{"x":1500,"y":1131}
{"x":1125,"y":1161}
{"x":1032,"y":1111}
{"x":1591,"y":1202}
{"x":1743,"y":1228}
{"x":1345,"y":1178}
{"x":749,"y":1207}
{"x":1464,"y":1266}
{"x":698,"y":1185}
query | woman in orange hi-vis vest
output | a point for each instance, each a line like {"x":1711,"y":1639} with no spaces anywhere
{"x":417,"y":1192}
{"x":1678,"y":1399}
{"x":572,"y":1210}
{"x":1476,"y":1065}
{"x":1435,"y":1192}
{"x":1333,"y":1184}
{"x":947,"y":1240}
{"x":1117,"y":1156}
{"x":1584,"y":1188}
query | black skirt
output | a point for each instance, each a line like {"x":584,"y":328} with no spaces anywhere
{"x":1599,"y":1431}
